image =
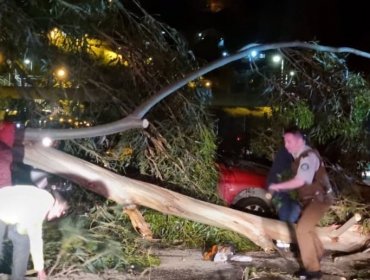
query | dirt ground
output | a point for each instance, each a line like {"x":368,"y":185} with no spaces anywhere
{"x":187,"y":264}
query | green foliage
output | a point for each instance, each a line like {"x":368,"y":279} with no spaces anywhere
{"x":105,"y":239}
{"x":177,"y":231}
{"x":298,"y":112}
{"x":346,"y":209}
{"x":332,"y":105}
{"x":101,"y":240}
{"x":178,"y":149}
{"x":328,"y":101}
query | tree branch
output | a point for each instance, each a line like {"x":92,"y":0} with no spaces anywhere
{"x":133,"y":120}
{"x":37,"y":134}
{"x":244,"y":52}
{"x":126,"y":191}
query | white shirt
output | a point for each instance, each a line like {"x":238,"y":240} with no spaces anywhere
{"x":26,"y":206}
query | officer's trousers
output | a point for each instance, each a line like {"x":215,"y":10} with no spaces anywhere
{"x":21,"y":250}
{"x":310,"y":246}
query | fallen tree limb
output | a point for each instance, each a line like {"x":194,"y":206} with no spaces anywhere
{"x":138,"y":222}
{"x":126,"y":191}
{"x":339,"y":231}
{"x":352,"y":258}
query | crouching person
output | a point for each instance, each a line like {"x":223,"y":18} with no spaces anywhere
{"x":23,"y":209}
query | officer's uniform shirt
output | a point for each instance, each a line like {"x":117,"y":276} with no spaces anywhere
{"x":308,"y":166}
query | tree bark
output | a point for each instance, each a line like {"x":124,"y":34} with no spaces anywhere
{"x":126,"y":191}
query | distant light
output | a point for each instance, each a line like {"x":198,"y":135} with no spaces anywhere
{"x":254,"y":53}
{"x":221,"y":43}
{"x":192,"y":84}
{"x":225,"y":53}
{"x":163,"y":32}
{"x":27,"y":61}
{"x":47,"y":142}
{"x":208,"y":84}
{"x":276,"y":58}
{"x":200,"y":34}
{"x":291,"y":73}
{"x":18,"y":125}
{"x":61,"y":73}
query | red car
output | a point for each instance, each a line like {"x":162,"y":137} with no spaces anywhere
{"x":243,"y":187}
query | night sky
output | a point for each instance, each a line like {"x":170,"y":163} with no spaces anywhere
{"x":242,"y":22}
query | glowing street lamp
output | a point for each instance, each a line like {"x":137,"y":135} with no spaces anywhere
{"x":277,"y":58}
{"x":208,"y":84}
{"x":254,"y":54}
{"x":61,"y":73}
{"x":28,"y":62}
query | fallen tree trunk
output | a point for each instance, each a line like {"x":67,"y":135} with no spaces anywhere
{"x":126,"y":191}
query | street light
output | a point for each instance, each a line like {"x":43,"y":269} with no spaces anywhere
{"x":61,"y":73}
{"x":28,"y":62}
{"x":254,"y":54}
{"x":277,"y":58}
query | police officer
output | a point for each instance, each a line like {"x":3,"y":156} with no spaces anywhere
{"x":312,"y":184}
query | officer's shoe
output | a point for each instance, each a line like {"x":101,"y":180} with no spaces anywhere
{"x":308,"y":275}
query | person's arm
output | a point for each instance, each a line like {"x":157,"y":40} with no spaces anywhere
{"x":294,"y":183}
{"x":305,"y":174}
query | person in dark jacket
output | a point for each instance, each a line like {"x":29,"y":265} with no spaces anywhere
{"x":287,"y":208}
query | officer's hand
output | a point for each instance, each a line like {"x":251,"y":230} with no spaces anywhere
{"x":273,"y":188}
{"x":41,"y":275}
